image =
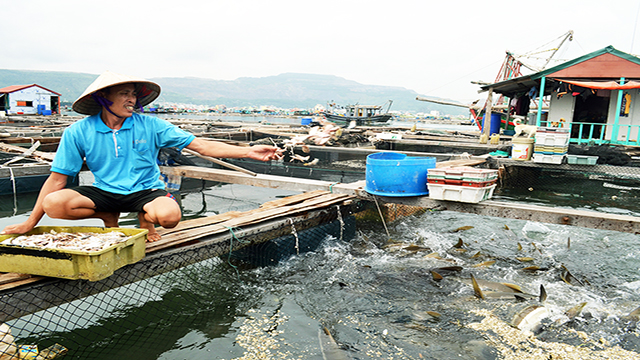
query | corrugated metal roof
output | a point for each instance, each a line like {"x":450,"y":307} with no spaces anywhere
{"x":523,"y":84}
{"x":14,"y":88}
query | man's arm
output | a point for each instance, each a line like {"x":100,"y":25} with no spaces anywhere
{"x":218,"y":149}
{"x":54,"y":182}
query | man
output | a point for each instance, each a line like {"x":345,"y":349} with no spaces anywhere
{"x":120,"y":148}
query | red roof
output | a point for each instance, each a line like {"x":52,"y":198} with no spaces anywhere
{"x":14,"y":88}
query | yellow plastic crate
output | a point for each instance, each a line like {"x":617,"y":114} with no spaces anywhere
{"x":73,"y":264}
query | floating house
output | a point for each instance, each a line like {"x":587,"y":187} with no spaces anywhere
{"x":29,"y":99}
{"x":596,"y":96}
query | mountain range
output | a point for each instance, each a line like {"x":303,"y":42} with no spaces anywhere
{"x":288,"y":90}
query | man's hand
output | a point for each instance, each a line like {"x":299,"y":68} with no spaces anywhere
{"x":17,"y":228}
{"x":265,"y":153}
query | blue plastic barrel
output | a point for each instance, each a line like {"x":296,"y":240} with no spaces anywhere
{"x":305,"y":121}
{"x":494,"y":127}
{"x":393,"y":174}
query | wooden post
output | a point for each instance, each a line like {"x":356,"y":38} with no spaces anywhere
{"x":486,"y":123}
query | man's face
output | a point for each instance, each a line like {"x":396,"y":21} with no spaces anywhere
{"x":123,"y":98}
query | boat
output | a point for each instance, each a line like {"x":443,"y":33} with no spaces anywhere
{"x":361,"y":114}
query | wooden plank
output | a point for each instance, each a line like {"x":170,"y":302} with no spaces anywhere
{"x":189,"y":224}
{"x":543,"y":214}
{"x":456,"y":145}
{"x":11,"y":277}
{"x":26,"y":170}
{"x":21,"y":150}
{"x":20,"y":282}
{"x":292,"y":199}
{"x":234,"y":177}
{"x":460,"y":162}
{"x":247,"y":218}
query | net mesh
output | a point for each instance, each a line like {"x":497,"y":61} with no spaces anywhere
{"x":146,"y":307}
{"x":597,"y":187}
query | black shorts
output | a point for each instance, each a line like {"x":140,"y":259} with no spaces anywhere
{"x":110,"y":202}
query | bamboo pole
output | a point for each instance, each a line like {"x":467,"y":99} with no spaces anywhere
{"x":220,"y":162}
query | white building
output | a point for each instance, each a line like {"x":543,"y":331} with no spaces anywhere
{"x":29,"y":99}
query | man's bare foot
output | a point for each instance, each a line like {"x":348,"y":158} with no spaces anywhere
{"x":110,"y":219}
{"x":144,"y":224}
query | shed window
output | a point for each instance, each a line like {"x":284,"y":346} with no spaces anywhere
{"x":24,"y":103}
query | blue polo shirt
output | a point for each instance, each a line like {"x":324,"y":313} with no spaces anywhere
{"x":122,"y":161}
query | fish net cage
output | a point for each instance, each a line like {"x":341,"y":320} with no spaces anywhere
{"x":584,"y":186}
{"x":144,"y":308}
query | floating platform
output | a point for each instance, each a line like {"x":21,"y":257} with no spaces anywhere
{"x":190,"y":242}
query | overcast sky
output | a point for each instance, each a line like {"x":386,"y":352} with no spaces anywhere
{"x":435,"y":48}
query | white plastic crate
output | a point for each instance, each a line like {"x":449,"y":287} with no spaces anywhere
{"x":466,"y":194}
{"x":548,"y":159}
{"x":552,"y":138}
{"x":474,"y":174}
{"x":554,"y":129}
{"x":462,"y":172}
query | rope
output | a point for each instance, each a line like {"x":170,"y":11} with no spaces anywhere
{"x":331,"y":187}
{"x":375,"y":198}
{"x":15,"y":197}
{"x":233,"y":236}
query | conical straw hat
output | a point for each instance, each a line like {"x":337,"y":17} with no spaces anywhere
{"x":88,"y":106}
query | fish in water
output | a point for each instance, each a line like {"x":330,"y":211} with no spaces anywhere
{"x":543,"y":294}
{"x":463,"y":228}
{"x":416,"y":248}
{"x":476,"y":288}
{"x":633,"y":315}
{"x":530,"y":318}
{"x":436,"y":273}
{"x":532,"y":268}
{"x":630,"y":320}
{"x":575,"y":311}
{"x":484,"y":264}
{"x":568,"y":278}
{"x":503,"y":291}
{"x":328,"y":346}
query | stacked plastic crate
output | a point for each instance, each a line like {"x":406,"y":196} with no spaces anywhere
{"x":551,"y":145}
{"x":464,"y":184}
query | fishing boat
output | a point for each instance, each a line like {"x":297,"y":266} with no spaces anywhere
{"x":361,"y":114}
